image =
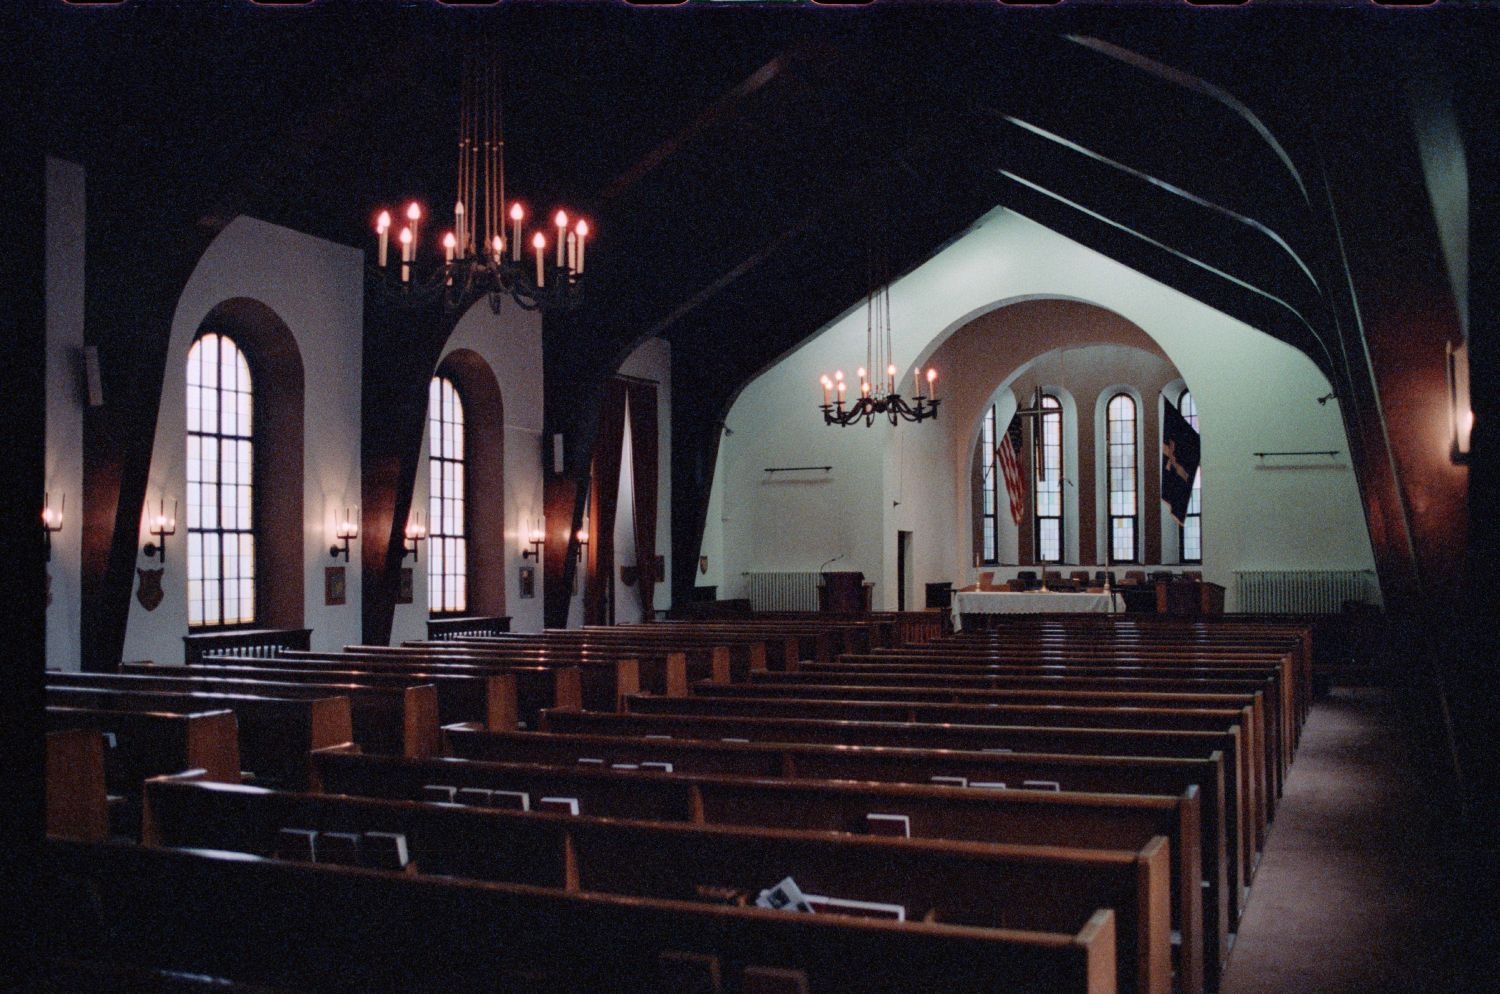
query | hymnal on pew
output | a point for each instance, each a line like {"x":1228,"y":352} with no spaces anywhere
{"x":785,"y":896}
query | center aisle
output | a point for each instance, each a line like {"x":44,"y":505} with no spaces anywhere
{"x":1360,"y":890}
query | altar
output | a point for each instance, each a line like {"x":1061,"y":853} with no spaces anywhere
{"x":1032,"y":602}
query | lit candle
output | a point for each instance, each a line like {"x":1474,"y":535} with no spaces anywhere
{"x":539,"y":243}
{"x":561,"y":220}
{"x":583,"y":233}
{"x":498,"y":244}
{"x":916,"y":377}
{"x":458,"y":227}
{"x":383,"y":229}
{"x":572,"y":252}
{"x":827,"y":386}
{"x":405,"y":255}
{"x":449,"y":243}
{"x":517,"y":212}
{"x":414,"y":215}
{"x":932,"y":384}
{"x":842,"y":385}
{"x":890,"y":378}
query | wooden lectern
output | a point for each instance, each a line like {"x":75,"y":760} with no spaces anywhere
{"x":842,"y":593}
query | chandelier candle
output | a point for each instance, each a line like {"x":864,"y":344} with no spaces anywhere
{"x":561,"y":220}
{"x":406,"y":254}
{"x":459,"y":229}
{"x":383,"y":229}
{"x":517,"y":213}
{"x":540,"y":243}
{"x":583,"y":232}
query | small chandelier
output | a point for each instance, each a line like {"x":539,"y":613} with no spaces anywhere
{"x":477,"y":259}
{"x":877,"y":393}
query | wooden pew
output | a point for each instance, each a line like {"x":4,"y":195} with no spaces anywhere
{"x":77,"y":807}
{"x":401,"y":720}
{"x":141,"y":744}
{"x":1240,"y":743}
{"x":72,"y":976}
{"x":489,"y":699}
{"x":276,"y":734}
{"x":1072,"y":772}
{"x":662,"y":670}
{"x":170,"y":909}
{"x":1238,"y":795}
{"x":605,"y":676}
{"x":1264,"y":683}
{"x":967,"y":883}
{"x":1261,"y":733}
{"x":951,"y":660}
{"x":1036,"y":817}
{"x":537,"y":687}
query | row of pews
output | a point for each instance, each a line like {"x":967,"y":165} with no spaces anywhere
{"x":1059,"y":804}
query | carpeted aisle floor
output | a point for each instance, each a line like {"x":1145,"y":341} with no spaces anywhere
{"x":1361,"y":889}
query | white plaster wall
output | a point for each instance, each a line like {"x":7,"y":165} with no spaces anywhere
{"x":627,"y":607}
{"x":652,"y":360}
{"x":511,"y":343}
{"x":316,"y":288}
{"x":66,"y":397}
{"x":1254,"y":394}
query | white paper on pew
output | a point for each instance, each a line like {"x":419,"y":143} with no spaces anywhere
{"x":518,"y":799}
{"x":785,"y":896}
{"x":1042,"y":784}
{"x":892,"y":825}
{"x":298,"y":844}
{"x":624,"y":766}
{"x":393,"y":842}
{"x":989,"y":784}
{"x":733,"y":740}
{"x":475,"y":795}
{"x":109,"y":740}
{"x":951,"y":781}
{"x":589,"y":761}
{"x":557,"y":803}
{"x":656,"y":736}
{"x":664,"y":767}
{"x":339,"y":847}
{"x":439,"y":792}
{"x":874,"y":909}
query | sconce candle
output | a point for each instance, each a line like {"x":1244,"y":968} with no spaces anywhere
{"x":345,"y":531}
{"x":160,"y":527}
{"x":535,"y":539}
{"x":52,"y":521}
{"x":416,"y":533}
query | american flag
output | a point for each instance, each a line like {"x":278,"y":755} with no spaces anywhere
{"x":1010,"y":466}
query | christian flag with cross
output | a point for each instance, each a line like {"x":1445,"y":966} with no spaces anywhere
{"x":1179,"y":460}
{"x":1007,"y":456}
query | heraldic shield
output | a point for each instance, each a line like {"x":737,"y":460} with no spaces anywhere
{"x":148,"y":590}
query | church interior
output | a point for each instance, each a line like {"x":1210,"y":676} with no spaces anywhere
{"x":749,"y":497}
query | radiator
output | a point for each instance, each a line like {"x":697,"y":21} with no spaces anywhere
{"x":782,"y":591}
{"x":1301,"y":591}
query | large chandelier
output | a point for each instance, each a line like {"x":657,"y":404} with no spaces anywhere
{"x":878,"y":394}
{"x":482,"y":254}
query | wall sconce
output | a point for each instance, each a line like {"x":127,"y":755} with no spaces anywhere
{"x":52,"y":521}
{"x":1461,"y":410}
{"x":535,"y":540}
{"x":583,"y":544}
{"x":345,"y":531}
{"x":416,"y":533}
{"x":159,"y":527}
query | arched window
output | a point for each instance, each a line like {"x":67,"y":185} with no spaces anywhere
{"x":1048,"y":501}
{"x":220,"y":497}
{"x":448,"y":559}
{"x":1124,"y":502}
{"x":989,"y":483}
{"x":1192,"y":522}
